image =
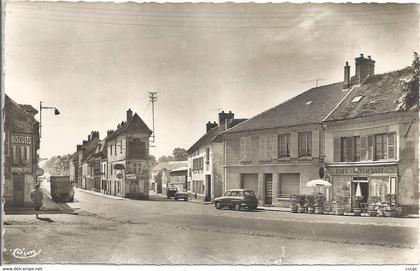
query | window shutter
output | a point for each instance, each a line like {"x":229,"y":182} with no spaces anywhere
{"x":391,"y":146}
{"x":370,"y":147}
{"x":315,"y":143}
{"x":350,"y":152}
{"x":337,"y":149}
{"x":254,"y":148}
{"x":363,"y":148}
{"x":242,"y":146}
{"x":274,"y":146}
{"x":248,"y":144}
{"x":263,"y":145}
{"x":293,"y":145}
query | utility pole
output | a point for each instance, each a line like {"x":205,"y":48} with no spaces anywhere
{"x":153,"y":99}
{"x":314,"y":80}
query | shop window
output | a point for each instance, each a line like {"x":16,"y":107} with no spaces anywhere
{"x":284,"y":146}
{"x":305,"y":144}
{"x":380,"y":147}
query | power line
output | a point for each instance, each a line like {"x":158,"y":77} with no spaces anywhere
{"x":317,"y":11}
{"x":209,"y":26}
{"x":141,"y":13}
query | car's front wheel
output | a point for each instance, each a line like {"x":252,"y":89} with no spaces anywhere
{"x":237,"y":207}
{"x":176,"y":198}
{"x":218,"y":205}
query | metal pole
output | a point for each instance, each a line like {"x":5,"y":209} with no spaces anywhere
{"x":40,"y":119}
{"x":153,"y":99}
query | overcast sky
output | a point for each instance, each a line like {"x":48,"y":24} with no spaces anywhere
{"x":94,"y":61}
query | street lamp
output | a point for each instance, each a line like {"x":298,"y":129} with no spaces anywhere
{"x":56,"y":112}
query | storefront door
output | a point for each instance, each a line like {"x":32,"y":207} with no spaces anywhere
{"x":268,"y":188}
{"x":363,"y":184}
{"x":208,"y":184}
{"x":18,"y":190}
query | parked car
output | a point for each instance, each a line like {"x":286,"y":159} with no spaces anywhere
{"x":237,"y":199}
{"x":181,"y":195}
{"x":170,"y":193}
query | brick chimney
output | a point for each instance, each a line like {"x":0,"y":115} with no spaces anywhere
{"x":85,"y":142}
{"x":88,"y":137}
{"x":364,"y":68}
{"x":94,"y":134}
{"x":346,"y":76}
{"x":210,"y":125}
{"x":129,"y":114}
{"x":79,"y":147}
{"x":224,"y":116}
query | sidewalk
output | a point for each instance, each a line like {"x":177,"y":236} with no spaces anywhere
{"x":48,"y":207}
{"x":98,"y":194}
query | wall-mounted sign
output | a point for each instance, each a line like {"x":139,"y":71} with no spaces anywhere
{"x":39,"y":172}
{"x":20,"y":153}
{"x":119,"y":166}
{"x":362,"y":170}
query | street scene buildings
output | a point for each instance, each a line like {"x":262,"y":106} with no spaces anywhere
{"x":264,"y":170}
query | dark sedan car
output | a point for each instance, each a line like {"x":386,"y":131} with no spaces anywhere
{"x":237,"y":199}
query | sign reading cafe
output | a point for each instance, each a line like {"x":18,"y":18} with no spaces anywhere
{"x":21,"y":153}
{"x":363,"y":170}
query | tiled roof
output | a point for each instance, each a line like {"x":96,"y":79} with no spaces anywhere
{"x":379,"y":94}
{"x":172,"y":165}
{"x":311,"y":106}
{"x":160,"y":166}
{"x":214,"y":134}
{"x":135,"y":120}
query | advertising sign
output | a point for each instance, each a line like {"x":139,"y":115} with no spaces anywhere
{"x":20,"y":153}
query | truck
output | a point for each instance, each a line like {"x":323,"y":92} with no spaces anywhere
{"x":62,"y":189}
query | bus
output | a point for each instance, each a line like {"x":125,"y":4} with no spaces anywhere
{"x":62,"y":189}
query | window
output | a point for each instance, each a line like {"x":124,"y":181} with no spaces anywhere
{"x":357,"y":99}
{"x":284,"y":146}
{"x":198,"y":163}
{"x":350,"y":149}
{"x":121,"y":146}
{"x":380,"y":147}
{"x":110,"y":150}
{"x":115,"y":148}
{"x":305,"y":144}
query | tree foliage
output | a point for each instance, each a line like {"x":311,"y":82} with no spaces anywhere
{"x":152,"y":161}
{"x":58,"y":165}
{"x":180,"y":154}
{"x":409,"y":100}
{"x":164,"y":158}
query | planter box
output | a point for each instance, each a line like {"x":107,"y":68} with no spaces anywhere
{"x":319,"y":210}
{"x":357,"y":211}
{"x":339,"y":211}
{"x":293,"y":208}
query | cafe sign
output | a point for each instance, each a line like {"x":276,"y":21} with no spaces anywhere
{"x":20,"y":153}
{"x":362,"y":170}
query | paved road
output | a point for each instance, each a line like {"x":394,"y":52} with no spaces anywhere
{"x":168,"y":232}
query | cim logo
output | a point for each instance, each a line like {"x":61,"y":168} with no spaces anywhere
{"x":21,"y":150}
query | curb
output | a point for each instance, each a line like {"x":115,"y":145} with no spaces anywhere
{"x":99,"y":194}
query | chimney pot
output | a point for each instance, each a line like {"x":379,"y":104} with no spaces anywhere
{"x":361,"y":55}
{"x":129,"y":114}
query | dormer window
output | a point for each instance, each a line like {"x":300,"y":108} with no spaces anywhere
{"x":357,"y":99}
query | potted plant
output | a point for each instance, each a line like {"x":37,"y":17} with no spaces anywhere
{"x":301,"y":203}
{"x":310,"y":203}
{"x":389,"y":209}
{"x":339,"y":205}
{"x":373,"y":205}
{"x":293,"y":203}
{"x":357,"y":209}
{"x":319,"y":207}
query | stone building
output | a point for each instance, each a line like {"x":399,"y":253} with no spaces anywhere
{"x":278,"y":151}
{"x":205,"y":159}
{"x":20,"y":153}
{"x":371,"y":138}
{"x":128,"y":158}
{"x":170,"y":174}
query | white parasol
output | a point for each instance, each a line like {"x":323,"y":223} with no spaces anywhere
{"x":358,"y":191}
{"x":318,"y":182}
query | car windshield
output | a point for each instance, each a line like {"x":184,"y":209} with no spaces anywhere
{"x":249,"y":193}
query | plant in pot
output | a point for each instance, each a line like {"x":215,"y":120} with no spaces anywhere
{"x":293,"y":203}
{"x":339,"y":206}
{"x":389,"y":209}
{"x":310,"y":203}
{"x":374,"y":203}
{"x":301,"y":203}
{"x":357,"y":209}
{"x":319,"y":205}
